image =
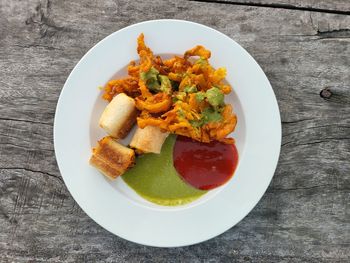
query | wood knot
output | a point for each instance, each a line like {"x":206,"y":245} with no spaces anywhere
{"x":326,"y":93}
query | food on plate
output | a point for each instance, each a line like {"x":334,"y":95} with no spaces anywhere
{"x":148,"y":139}
{"x":182,"y":143}
{"x":214,"y":161}
{"x":183,"y":95}
{"x":112,"y":158}
{"x":119,"y":116}
{"x":161,"y":183}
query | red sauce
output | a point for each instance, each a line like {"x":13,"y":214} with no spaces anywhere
{"x":204,"y":165}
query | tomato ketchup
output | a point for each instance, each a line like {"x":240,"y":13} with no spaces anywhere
{"x":204,"y":165}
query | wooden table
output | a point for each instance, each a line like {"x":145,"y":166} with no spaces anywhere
{"x":303,"y":47}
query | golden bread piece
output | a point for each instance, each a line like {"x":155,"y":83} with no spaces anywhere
{"x":149,"y":139}
{"x":119,"y":116}
{"x":112,"y":158}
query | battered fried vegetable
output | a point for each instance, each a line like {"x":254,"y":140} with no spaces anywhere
{"x":181,"y":95}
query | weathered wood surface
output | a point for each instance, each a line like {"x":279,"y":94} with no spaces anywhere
{"x":304,"y":215}
{"x":335,"y":6}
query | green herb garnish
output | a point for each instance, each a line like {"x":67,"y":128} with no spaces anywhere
{"x":190,"y":89}
{"x":215,"y":97}
{"x":151,"y":79}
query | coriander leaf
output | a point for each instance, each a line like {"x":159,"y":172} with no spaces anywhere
{"x":190,"y":89}
{"x":200,"y":96}
{"x":151,"y":79}
{"x":165,"y":84}
{"x":197,"y":123}
{"x":211,"y":115}
{"x":208,"y":115}
{"x":215,"y":97}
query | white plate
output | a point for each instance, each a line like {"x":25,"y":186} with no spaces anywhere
{"x":113,"y":205}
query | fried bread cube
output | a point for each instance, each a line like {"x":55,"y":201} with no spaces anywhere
{"x":112,"y":158}
{"x":148,"y":140}
{"x":119,"y":116}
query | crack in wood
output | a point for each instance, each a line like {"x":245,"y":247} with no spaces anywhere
{"x":277,"y":5}
{"x":26,"y":148}
{"x":8,"y":136}
{"x":329,"y":186}
{"x":59,"y":178}
{"x":325,"y":140}
{"x":338,"y":33}
{"x":37,"y":46}
{"x":316,"y":127}
{"x":296,"y":121}
{"x":28,"y":121}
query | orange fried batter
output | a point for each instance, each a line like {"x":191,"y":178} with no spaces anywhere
{"x":160,"y":102}
{"x":173,"y":94}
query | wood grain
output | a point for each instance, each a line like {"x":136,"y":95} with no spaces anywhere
{"x":303,"y":217}
{"x":334,"y":6}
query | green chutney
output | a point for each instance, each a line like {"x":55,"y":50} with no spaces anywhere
{"x":155,"y":178}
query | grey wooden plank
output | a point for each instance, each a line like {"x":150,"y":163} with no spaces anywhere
{"x":304,"y":216}
{"x":320,"y":5}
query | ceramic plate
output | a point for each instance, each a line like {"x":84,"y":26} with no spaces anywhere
{"x":116,"y":207}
